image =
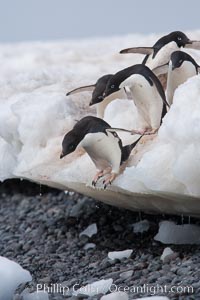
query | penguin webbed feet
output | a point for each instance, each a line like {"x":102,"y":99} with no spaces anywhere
{"x":145,"y":131}
{"x":142,"y":131}
{"x":152,"y":131}
{"x":97,"y":177}
{"x":109,"y":180}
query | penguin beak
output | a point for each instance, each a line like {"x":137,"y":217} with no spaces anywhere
{"x":62,"y":155}
{"x":193,"y":44}
{"x":173,"y":67}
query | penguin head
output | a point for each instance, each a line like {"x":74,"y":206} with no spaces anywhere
{"x":183,"y":41}
{"x":180,"y":38}
{"x":96,"y":99}
{"x":179,"y":57}
{"x":111,"y":87}
{"x":176,"y":36}
{"x":114,"y":84}
{"x":70,"y":142}
{"x":100,"y":86}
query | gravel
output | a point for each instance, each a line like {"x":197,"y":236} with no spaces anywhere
{"x":42,"y":234}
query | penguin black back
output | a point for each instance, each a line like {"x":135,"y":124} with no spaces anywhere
{"x":113,"y":84}
{"x":91,"y":124}
{"x":94,"y":125}
{"x":176,"y":36}
{"x":86,"y":125}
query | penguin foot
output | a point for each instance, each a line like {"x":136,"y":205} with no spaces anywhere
{"x":152,"y":131}
{"x":143,"y":131}
{"x":109,"y":180}
{"x":140,"y":132}
{"x":97,"y":177}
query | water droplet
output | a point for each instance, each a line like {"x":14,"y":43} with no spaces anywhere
{"x":40,"y":194}
{"x":182,"y":219}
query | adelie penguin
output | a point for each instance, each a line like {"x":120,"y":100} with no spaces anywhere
{"x":97,"y":94}
{"x":102,"y":144}
{"x":180,"y":67}
{"x":147,"y":94}
{"x":160,"y":52}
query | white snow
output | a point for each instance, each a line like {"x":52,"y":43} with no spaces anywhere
{"x":171,"y":233}
{"x":12,"y":275}
{"x":35,"y":114}
{"x":141,"y":226}
{"x":115,"y":296}
{"x":95,"y":288}
{"x":168,"y":254}
{"x":90,"y":230}
{"x":120,"y":254}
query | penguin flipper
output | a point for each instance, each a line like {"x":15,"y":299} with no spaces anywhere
{"x":163,"y":69}
{"x":82,"y":89}
{"x":117,"y":129}
{"x":139,"y":50}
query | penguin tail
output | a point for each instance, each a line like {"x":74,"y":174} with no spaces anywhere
{"x":126,"y":150}
{"x":132,"y":146}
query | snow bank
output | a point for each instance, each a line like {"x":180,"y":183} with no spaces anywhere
{"x":35,"y":114}
{"x":12,"y":275}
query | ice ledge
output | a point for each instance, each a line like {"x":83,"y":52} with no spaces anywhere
{"x":162,"y":175}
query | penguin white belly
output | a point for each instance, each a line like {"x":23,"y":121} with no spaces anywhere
{"x":101,"y":106}
{"x":178,"y":77}
{"x":162,"y":57}
{"x":147,"y":100}
{"x":103,"y":149}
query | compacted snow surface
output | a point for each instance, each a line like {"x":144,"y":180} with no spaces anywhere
{"x":12,"y":275}
{"x":35,"y":114}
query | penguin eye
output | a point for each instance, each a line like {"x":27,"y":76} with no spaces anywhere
{"x":179,"y":38}
{"x":71,"y":147}
{"x":100,"y":97}
{"x":112,"y":86}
